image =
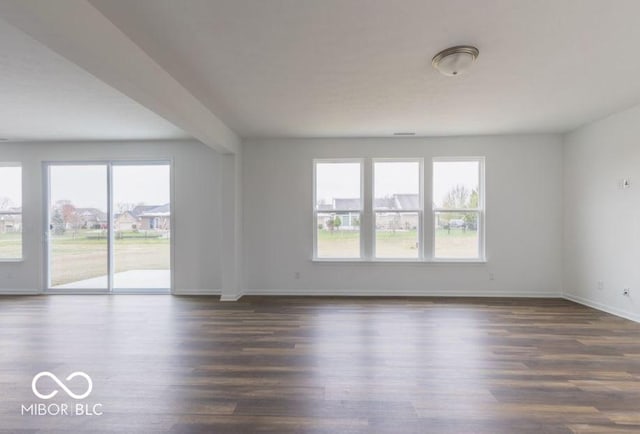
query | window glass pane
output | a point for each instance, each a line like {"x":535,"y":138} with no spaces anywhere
{"x":338,"y":235}
{"x":338,"y":186}
{"x":456,"y":184}
{"x":10,"y":211}
{"x":142,"y":225}
{"x":397,"y":185}
{"x":78,"y":227}
{"x":397,"y":235}
{"x":456,"y":235}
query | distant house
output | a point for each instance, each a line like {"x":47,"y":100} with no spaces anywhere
{"x":158,"y":218}
{"x":391,"y":212}
{"x":126,"y":221}
{"x":141,"y":209}
{"x":147,"y":217}
{"x":10,"y":220}
{"x":92,"y":218}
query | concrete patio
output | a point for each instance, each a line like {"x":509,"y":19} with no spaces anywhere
{"x":132,"y":279}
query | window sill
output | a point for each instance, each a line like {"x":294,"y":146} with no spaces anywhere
{"x":400,"y":261}
{"x":10,"y":261}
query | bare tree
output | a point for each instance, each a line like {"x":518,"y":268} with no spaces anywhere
{"x":125,"y":206}
{"x":5,"y":203}
{"x":457,"y":197}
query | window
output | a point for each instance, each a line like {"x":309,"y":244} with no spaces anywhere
{"x":458,"y":206}
{"x":372,"y":209}
{"x":397,"y":208}
{"x":10,"y":211}
{"x":109,"y":226}
{"x":338,"y":208}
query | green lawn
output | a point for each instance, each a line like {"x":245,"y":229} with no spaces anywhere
{"x":83,"y":255}
{"x":455,"y":243}
{"x":344,"y":244}
{"x":10,"y":245}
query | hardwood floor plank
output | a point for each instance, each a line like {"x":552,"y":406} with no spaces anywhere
{"x":322,"y":365}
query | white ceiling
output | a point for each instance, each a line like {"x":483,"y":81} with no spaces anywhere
{"x":275,"y":68}
{"x":45,"y":97}
{"x":321,"y":68}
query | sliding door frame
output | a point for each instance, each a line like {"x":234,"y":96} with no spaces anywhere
{"x":46,"y":234}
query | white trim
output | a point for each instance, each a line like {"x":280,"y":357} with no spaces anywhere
{"x":111,"y":236}
{"x":316,"y":211}
{"x":457,"y":210}
{"x":481,"y":210}
{"x":172,"y":223}
{"x":212,"y":292}
{"x":399,"y":293}
{"x":108,"y":164}
{"x":401,"y":261}
{"x":603,"y":307}
{"x":367,"y":220}
{"x":420,"y":211}
{"x":230,"y":297}
{"x":14,"y":164}
{"x":357,"y":260}
{"x":20,"y":292}
{"x":142,"y":291}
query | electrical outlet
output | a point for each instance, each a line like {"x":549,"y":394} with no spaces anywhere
{"x":600,"y":285}
{"x":296,"y":275}
{"x":492,"y":276}
{"x":626,"y":292}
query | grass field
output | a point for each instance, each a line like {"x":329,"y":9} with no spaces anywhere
{"x":455,"y":243}
{"x":76,"y":257}
{"x":10,"y":245}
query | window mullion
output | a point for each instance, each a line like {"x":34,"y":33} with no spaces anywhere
{"x":367,"y":227}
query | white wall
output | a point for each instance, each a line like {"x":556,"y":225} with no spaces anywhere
{"x":602,"y":221}
{"x":523,"y":233}
{"x":197,"y":207}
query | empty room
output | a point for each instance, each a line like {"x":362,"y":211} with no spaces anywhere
{"x":320,"y":216}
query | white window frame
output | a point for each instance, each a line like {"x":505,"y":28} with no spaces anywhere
{"x":360,"y":162}
{"x":109,"y":164}
{"x":480,"y":210}
{"x":426,"y":236}
{"x":419,"y":211}
{"x":21,"y":213}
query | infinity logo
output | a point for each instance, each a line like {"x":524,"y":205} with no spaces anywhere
{"x":62,"y":386}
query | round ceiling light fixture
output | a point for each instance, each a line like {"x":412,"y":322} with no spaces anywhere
{"x":455,"y":60}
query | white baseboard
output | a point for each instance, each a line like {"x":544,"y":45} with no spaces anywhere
{"x":213,"y":292}
{"x":397,"y":293}
{"x":19,"y":292}
{"x":603,"y":307}
{"x":230,"y":297}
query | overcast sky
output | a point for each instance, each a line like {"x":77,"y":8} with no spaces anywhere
{"x":342,"y":180}
{"x":86,"y":186}
{"x":11,"y":184}
{"x":448,"y":174}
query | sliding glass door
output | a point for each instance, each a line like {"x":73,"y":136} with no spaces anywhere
{"x":78,"y":223}
{"x":109,"y":226}
{"x":142,"y":226}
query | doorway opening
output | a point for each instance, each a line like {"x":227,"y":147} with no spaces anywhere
{"x":108,"y":227}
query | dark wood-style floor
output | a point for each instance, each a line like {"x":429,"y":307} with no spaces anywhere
{"x":322,"y":365}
